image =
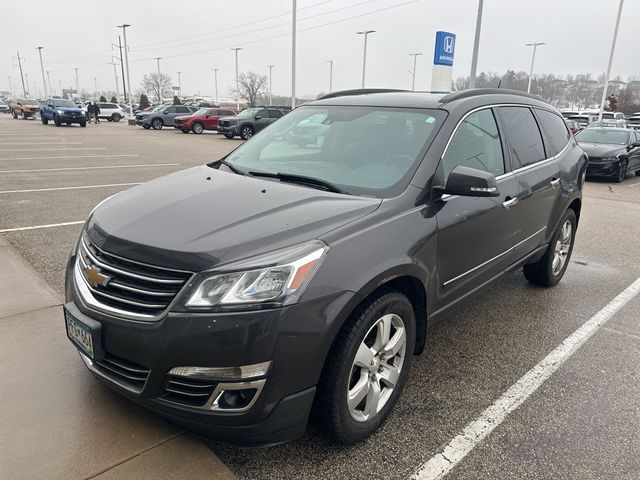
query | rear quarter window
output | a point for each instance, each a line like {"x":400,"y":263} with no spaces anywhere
{"x":554,"y":131}
{"x":523,"y":136}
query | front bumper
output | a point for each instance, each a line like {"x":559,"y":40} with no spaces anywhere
{"x":295,"y":339}
{"x":602,"y":168}
{"x":72,"y":118}
{"x":228,"y":129}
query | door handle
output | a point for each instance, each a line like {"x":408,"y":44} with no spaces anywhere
{"x":555,"y":182}
{"x":510,"y":202}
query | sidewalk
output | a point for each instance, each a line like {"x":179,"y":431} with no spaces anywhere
{"x":57,"y":421}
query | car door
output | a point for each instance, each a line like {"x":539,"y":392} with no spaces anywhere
{"x":261,"y":120}
{"x":634,"y":152}
{"x":274,"y":115}
{"x":211,"y":119}
{"x":537,"y":171}
{"x":475,"y":234}
{"x":179,"y":112}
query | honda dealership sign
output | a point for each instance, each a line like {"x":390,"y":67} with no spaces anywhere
{"x":443,"y":61}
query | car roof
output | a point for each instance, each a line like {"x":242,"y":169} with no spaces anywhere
{"x":442,"y":100}
{"x":609,"y":129}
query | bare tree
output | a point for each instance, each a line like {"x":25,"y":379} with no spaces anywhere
{"x":251,"y":85}
{"x":157,"y":84}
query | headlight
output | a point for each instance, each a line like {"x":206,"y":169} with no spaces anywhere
{"x":276,"y":278}
{"x":60,"y":112}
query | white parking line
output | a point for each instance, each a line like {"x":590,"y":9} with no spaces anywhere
{"x":47,"y":143}
{"x":475,"y":432}
{"x":634,"y":184}
{"x":70,"y":188}
{"x":70,"y":156}
{"x":51,"y":149}
{"x":102,"y":167}
{"x":36,"y":227}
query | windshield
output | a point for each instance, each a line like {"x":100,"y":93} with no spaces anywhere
{"x":370,"y":151}
{"x":64,"y":103}
{"x":27,"y":101}
{"x":610,"y":137}
{"x":249,"y":112}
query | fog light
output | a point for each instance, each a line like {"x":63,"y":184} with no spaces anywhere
{"x":236,"y":399}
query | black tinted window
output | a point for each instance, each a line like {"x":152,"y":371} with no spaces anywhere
{"x":275,"y":113}
{"x":554,"y":131}
{"x":183,"y":110}
{"x":475,"y":144}
{"x":522,"y":131}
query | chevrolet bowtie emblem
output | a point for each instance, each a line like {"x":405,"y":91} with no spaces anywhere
{"x":95,"y":277}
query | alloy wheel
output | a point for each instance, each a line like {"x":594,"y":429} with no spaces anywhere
{"x":247,"y":132}
{"x":197,"y":128}
{"x":562,"y":248}
{"x":376,"y":368}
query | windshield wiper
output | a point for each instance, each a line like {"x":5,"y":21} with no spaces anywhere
{"x":301,"y":180}
{"x":222,"y":161}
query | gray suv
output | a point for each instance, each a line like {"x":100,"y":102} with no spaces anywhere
{"x":163,"y":116}
{"x":304,"y":270}
{"x":248,"y":122}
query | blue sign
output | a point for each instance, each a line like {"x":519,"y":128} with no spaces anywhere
{"x":445,"y":48}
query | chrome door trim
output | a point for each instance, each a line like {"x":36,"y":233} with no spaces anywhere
{"x":510,"y":250}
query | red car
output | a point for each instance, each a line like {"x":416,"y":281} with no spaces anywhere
{"x":203,"y":119}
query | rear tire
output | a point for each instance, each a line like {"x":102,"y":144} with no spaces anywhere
{"x":366,"y":368}
{"x":549,"y":270}
{"x":197,"y":128}
{"x":15,"y":115}
{"x":116,"y":118}
{"x":24,"y":116}
{"x":157,"y":124}
{"x":146,"y":127}
{"x":637,"y":173}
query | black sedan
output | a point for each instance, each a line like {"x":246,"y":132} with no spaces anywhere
{"x":613,"y":152}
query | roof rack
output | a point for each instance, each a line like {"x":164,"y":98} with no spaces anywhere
{"x":360,"y":91}
{"x":475,"y":92}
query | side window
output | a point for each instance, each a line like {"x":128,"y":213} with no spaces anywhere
{"x":275,"y":113}
{"x":182,"y":110}
{"x":476,"y":144}
{"x":170,"y":110}
{"x":523,"y":134}
{"x":554,"y":131}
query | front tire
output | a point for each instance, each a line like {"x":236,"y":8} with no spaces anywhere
{"x":83,"y":124}
{"x":57,"y":121}
{"x":157,"y":124}
{"x":15,"y":115}
{"x":197,"y":128}
{"x":146,"y":127}
{"x":228,"y":135}
{"x":44,"y":120}
{"x":367,"y":368}
{"x":246,"y":133}
{"x":622,"y":171}
{"x":116,"y":118}
{"x":549,"y":270}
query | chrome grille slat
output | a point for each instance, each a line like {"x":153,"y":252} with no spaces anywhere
{"x":125,"y":373}
{"x":112,"y":361}
{"x":122,"y":287}
{"x":186,"y":391}
{"x":189,"y":394}
{"x":188,"y":385}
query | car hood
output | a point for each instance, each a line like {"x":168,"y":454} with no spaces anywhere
{"x":69,"y":109}
{"x":601,"y":150}
{"x":190,"y":117}
{"x":201,"y":217}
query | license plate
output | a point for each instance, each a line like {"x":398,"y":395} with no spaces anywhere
{"x":79,"y":333}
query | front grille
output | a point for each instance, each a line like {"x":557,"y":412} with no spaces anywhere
{"x":187,"y":391}
{"x":129,"y":286}
{"x":128,"y":374}
{"x":223,"y":123}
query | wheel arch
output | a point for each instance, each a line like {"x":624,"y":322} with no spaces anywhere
{"x":576,"y":206}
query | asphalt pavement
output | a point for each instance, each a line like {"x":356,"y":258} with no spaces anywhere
{"x":582,"y":423}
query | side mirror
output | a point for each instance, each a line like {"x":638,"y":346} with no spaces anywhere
{"x":634,"y":145}
{"x":257,"y":117}
{"x":166,"y":112}
{"x":470,"y":182}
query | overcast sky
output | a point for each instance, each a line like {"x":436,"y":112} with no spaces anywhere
{"x":195,"y":36}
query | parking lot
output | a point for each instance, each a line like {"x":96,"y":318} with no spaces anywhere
{"x":582,"y":423}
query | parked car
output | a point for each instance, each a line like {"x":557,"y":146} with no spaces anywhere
{"x":248,"y":122}
{"x":163,"y":116}
{"x":4,"y":108}
{"x":25,"y":108}
{"x":110,"y":112}
{"x":573,"y":125}
{"x":608,"y":124}
{"x":61,"y":111}
{"x":201,"y":120}
{"x":634,"y":121}
{"x":234,"y":297}
{"x":583,"y":120}
{"x":613,"y":152}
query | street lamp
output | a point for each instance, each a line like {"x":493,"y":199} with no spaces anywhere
{"x":330,"y":62}
{"x":44,"y":82}
{"x":237,"y":84}
{"x":613,"y":48}
{"x":180,"y":83}
{"x":476,"y":46}
{"x":533,"y":59}
{"x":270,"y":67}
{"x":126,"y":61}
{"x":413,"y":73}
{"x":49,"y":82}
{"x":215,"y":79}
{"x":95,"y":89}
{"x":293,"y":54}
{"x":364,"y":55}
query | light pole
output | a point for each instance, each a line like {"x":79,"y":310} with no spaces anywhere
{"x":237,"y":84}
{"x":10,"y":86}
{"x":95,"y":89}
{"x":413,"y":73}
{"x":364,"y":55}
{"x":533,"y":59}
{"x":180,"y":83}
{"x":124,"y":85}
{"x":157,"y":59}
{"x":49,"y":82}
{"x":44,"y":82}
{"x":476,"y":45}
{"x":126,"y":60}
{"x":24,"y":89}
{"x":26,"y":75}
{"x":61,"y":92}
{"x":270,"y":67}
{"x":613,"y":48}
{"x":330,"y":62}
{"x":293,"y":55}
{"x":215,"y":80}
{"x":77,"y":84}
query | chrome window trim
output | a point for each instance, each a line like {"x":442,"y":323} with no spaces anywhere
{"x":494,"y":105}
{"x":510,"y":250}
